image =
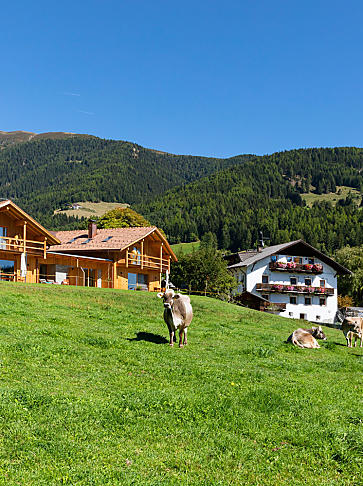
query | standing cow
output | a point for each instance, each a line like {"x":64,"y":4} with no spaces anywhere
{"x":352,"y":327}
{"x":178,"y":314}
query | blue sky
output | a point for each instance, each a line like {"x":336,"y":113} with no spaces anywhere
{"x":215,"y":78}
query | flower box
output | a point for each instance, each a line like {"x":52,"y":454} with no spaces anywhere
{"x":281,"y":265}
{"x":291,"y":265}
{"x":290,"y":288}
{"x":277,"y":287}
{"x":308,"y":266}
{"x":317,"y":267}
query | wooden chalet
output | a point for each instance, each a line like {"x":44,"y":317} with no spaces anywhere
{"x":120,"y":258}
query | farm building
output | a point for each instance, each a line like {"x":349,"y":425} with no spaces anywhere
{"x":120,"y":258}
{"x":292,"y":279}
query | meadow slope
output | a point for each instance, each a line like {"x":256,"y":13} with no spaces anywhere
{"x":91,"y":394}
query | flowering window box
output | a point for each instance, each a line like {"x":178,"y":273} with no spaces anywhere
{"x":308,"y":266}
{"x":317,"y":267}
{"x":291,"y":265}
{"x":290,"y":288}
{"x":278,"y":287}
{"x":281,"y":265}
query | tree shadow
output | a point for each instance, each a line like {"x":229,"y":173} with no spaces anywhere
{"x":149,"y":337}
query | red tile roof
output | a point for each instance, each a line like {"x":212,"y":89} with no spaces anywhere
{"x":121,"y":238}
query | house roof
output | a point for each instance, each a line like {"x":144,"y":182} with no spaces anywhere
{"x":116,"y":239}
{"x":297,"y":247}
{"x":18,"y":213}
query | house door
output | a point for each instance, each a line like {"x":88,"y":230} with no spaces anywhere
{"x":132,"y":281}
{"x":99,"y":279}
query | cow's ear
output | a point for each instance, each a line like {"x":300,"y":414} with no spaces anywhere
{"x":160,"y":295}
{"x":177,"y":296}
{"x":314,"y":328}
{"x":320,"y":329}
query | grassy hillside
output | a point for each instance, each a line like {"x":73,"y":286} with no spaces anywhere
{"x":90,"y":209}
{"x":333,"y":197}
{"x":185,"y":248}
{"x":92,"y":395}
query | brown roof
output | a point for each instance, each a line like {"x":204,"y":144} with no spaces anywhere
{"x":121,"y":238}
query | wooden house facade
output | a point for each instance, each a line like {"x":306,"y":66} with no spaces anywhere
{"x":120,"y":258}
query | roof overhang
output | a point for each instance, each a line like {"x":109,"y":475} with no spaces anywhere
{"x":13,"y":210}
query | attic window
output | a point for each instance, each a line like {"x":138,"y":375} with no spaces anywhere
{"x":75,"y":238}
{"x":107,"y":239}
{"x":84,"y":242}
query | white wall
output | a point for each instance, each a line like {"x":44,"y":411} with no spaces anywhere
{"x":314,"y":312}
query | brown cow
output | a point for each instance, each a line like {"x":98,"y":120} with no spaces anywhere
{"x":352,"y":327}
{"x":178,"y":314}
{"x":307,"y":338}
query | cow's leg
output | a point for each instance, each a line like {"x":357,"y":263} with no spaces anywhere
{"x":171,"y":340}
{"x":185,"y":336}
{"x":181,"y":334}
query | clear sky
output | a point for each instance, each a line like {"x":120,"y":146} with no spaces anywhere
{"x":202,"y":77}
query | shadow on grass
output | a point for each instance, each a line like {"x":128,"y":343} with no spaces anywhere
{"x":150,"y":337}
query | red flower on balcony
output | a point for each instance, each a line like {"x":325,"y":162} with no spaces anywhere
{"x":277,"y":287}
{"x":290,"y":288}
{"x":281,"y":265}
{"x":308,"y":266}
{"x":291,"y":265}
{"x":317,"y":267}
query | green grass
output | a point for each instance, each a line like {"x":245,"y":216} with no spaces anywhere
{"x":185,"y":248}
{"x":92,"y":395}
{"x":332,"y":197}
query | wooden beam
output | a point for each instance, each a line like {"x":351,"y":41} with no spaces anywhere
{"x":142,"y":254}
{"x":45,"y":248}
{"x":161,"y":257}
{"x":24,"y":236}
{"x":127,"y":257}
{"x":114,"y":274}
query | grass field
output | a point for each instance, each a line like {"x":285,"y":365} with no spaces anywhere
{"x":90,"y":209}
{"x":185,"y":248}
{"x":91,"y":394}
{"x":333,"y":197}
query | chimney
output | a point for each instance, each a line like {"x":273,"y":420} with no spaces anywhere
{"x":92,"y":228}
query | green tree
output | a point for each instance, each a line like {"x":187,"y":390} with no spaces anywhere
{"x":205,"y":271}
{"x":122,"y":218}
{"x":352,"y":258}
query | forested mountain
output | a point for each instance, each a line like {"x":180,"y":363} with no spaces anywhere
{"x":42,"y":175}
{"x":264,"y":194}
{"x":187,"y":196}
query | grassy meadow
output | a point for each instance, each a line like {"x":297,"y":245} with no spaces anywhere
{"x":185,"y":248}
{"x":332,"y":197}
{"x":91,"y":394}
{"x":91,"y":209}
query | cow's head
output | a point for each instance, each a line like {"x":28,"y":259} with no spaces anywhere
{"x":168,"y":297}
{"x":318,"y":333}
{"x":354,"y":327}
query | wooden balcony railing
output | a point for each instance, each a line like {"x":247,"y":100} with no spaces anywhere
{"x":273,"y":306}
{"x":296,"y":267}
{"x":295,"y":289}
{"x":145,"y":261}
{"x":20,"y":245}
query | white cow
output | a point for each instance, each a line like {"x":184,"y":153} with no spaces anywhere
{"x":178,"y":314}
{"x":307,"y":338}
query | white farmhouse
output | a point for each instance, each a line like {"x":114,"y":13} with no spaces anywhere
{"x":292,"y":280}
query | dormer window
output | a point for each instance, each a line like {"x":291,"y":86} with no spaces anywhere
{"x":84,"y":242}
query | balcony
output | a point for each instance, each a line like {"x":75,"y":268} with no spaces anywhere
{"x":148,"y":262}
{"x":294,"y":289}
{"x":296,"y":267}
{"x":18,"y":245}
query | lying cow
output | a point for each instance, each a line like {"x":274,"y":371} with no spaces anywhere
{"x":178,"y":314}
{"x":352,"y":327}
{"x":307,"y":338}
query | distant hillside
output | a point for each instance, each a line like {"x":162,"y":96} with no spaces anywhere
{"x":264,"y":194}
{"x":19,"y":136}
{"x":51,"y":170}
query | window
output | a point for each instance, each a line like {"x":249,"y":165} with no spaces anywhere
{"x":265,"y":279}
{"x":293,"y":300}
{"x":265,"y":296}
{"x":302,"y":316}
{"x":322,"y":301}
{"x":274,"y":258}
{"x":6,"y":269}
{"x":318,"y":318}
{"x":308,"y":281}
{"x":3,"y":235}
{"x":84,"y":242}
{"x":137,"y":280}
{"x":307,"y":300}
{"x":297,"y":259}
{"x":106,"y":239}
{"x":289,"y":258}
{"x":291,"y":314}
{"x":293,"y":280}
{"x":311,"y":261}
{"x":322,"y":283}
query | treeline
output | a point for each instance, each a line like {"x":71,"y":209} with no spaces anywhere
{"x":43,"y":175}
{"x":262,"y":195}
